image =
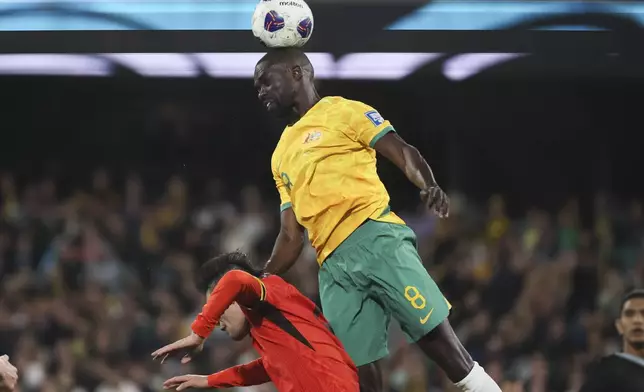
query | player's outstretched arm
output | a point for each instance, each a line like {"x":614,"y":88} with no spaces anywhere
{"x":246,"y":375}
{"x":235,"y":286}
{"x":288,"y":245}
{"x":412,"y":163}
{"x":191,"y":344}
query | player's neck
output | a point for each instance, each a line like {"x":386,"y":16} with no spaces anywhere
{"x":307,"y":98}
{"x":630,"y":349}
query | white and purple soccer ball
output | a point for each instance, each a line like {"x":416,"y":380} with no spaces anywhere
{"x":283,"y":23}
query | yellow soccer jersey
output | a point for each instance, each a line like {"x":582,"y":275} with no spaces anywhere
{"x":325,"y":169}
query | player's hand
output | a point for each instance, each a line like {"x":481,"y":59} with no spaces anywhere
{"x":8,"y":375}
{"x":192,"y":343}
{"x":436,"y":200}
{"x":181,"y":383}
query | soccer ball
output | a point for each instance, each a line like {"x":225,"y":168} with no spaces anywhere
{"x":283,"y":23}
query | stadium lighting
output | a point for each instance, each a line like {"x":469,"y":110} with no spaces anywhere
{"x":370,"y":66}
{"x":391,"y":66}
{"x":242,"y":65}
{"x":352,"y":66}
{"x":373,"y":66}
{"x":235,"y":14}
{"x":53,"y":64}
{"x":464,"y":66}
{"x":157,"y":64}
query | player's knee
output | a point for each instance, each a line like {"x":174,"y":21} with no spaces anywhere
{"x":370,"y":377}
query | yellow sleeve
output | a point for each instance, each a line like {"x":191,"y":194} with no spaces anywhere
{"x":285,"y":198}
{"x":367,"y":126}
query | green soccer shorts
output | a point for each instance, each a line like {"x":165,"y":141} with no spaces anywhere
{"x":374,"y":274}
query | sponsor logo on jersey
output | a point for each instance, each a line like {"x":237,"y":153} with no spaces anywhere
{"x":375,"y":117}
{"x":312,"y":137}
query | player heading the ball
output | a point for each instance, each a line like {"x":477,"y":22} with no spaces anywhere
{"x":324,"y":167}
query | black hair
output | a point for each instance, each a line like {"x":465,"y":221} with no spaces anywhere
{"x":289,"y":57}
{"x":212,"y":270}
{"x":637,"y":293}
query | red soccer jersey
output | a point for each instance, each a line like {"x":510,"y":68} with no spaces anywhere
{"x":297,"y":348}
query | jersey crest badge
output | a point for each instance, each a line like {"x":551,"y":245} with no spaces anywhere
{"x":375,"y":117}
{"x":312,"y":137}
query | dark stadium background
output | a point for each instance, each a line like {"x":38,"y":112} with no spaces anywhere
{"x":113,"y":189}
{"x":540,"y":139}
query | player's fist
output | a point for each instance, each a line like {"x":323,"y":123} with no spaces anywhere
{"x":8,"y":374}
{"x":436,"y":200}
{"x":192,"y":343}
{"x":181,"y":383}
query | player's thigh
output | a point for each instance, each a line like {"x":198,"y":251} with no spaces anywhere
{"x":359,"y":321}
{"x":403,"y":285}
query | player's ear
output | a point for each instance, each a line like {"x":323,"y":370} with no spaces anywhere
{"x":297,"y":72}
{"x":619,"y":326}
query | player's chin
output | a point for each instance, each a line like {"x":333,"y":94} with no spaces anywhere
{"x":637,"y":336}
{"x":274,"y":108}
{"x":241,"y":333}
{"x":637,"y":344}
{"x":238,"y":336}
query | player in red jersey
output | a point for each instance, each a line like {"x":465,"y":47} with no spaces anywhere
{"x":298,"y":351}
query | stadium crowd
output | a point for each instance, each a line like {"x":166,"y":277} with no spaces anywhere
{"x":95,"y":279}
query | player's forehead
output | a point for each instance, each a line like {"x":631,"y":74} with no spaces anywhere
{"x":264,"y":69}
{"x":636,"y":304}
